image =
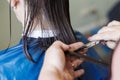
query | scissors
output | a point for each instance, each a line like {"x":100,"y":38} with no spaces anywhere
{"x":87,"y":58}
{"x":89,"y":45}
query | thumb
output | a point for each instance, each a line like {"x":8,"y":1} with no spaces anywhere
{"x":111,"y":44}
{"x":60,"y":45}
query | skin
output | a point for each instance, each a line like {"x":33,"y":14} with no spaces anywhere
{"x":18,"y":7}
{"x":115,"y":67}
{"x":110,"y":33}
{"x":60,"y":66}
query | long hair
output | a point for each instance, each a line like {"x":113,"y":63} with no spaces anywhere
{"x":51,"y":14}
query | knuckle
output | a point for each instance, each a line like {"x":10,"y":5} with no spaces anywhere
{"x":57,"y":42}
{"x":114,"y":21}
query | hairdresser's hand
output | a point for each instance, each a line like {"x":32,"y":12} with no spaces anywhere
{"x":110,"y":33}
{"x":115,"y":66}
{"x":59,"y":67}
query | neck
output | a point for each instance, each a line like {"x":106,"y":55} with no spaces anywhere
{"x":45,"y":32}
{"x":42,"y":34}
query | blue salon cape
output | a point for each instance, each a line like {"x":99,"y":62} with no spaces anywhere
{"x":15,"y":66}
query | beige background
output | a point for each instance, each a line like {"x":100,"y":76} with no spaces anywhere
{"x":81,"y":17}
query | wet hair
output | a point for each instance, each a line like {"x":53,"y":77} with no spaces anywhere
{"x":51,"y":14}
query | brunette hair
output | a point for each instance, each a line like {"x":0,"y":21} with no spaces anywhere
{"x":53,"y":14}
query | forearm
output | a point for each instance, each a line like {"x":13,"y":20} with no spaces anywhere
{"x":115,"y":67}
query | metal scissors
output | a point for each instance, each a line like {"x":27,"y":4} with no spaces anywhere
{"x":88,"y":58}
{"x":89,"y":45}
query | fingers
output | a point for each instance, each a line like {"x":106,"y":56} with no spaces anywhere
{"x":79,"y":73}
{"x":111,"y":44}
{"x":113,"y":36}
{"x":55,"y":56}
{"x":71,"y":47}
{"x":114,"y":23}
{"x":75,"y":46}
{"x":111,"y":28}
{"x":60,"y":45}
{"x":105,"y":29}
{"x":76,"y":63}
{"x":110,"y":32}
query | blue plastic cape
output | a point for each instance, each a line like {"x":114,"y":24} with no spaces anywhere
{"x":15,"y":66}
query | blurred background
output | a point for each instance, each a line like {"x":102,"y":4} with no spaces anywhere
{"x":86,"y":15}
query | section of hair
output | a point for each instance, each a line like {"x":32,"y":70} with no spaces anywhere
{"x":51,"y":15}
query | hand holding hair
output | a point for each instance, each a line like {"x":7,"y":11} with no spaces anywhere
{"x":57,"y":66}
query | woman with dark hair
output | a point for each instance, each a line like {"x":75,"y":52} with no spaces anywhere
{"x":44,"y":21}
